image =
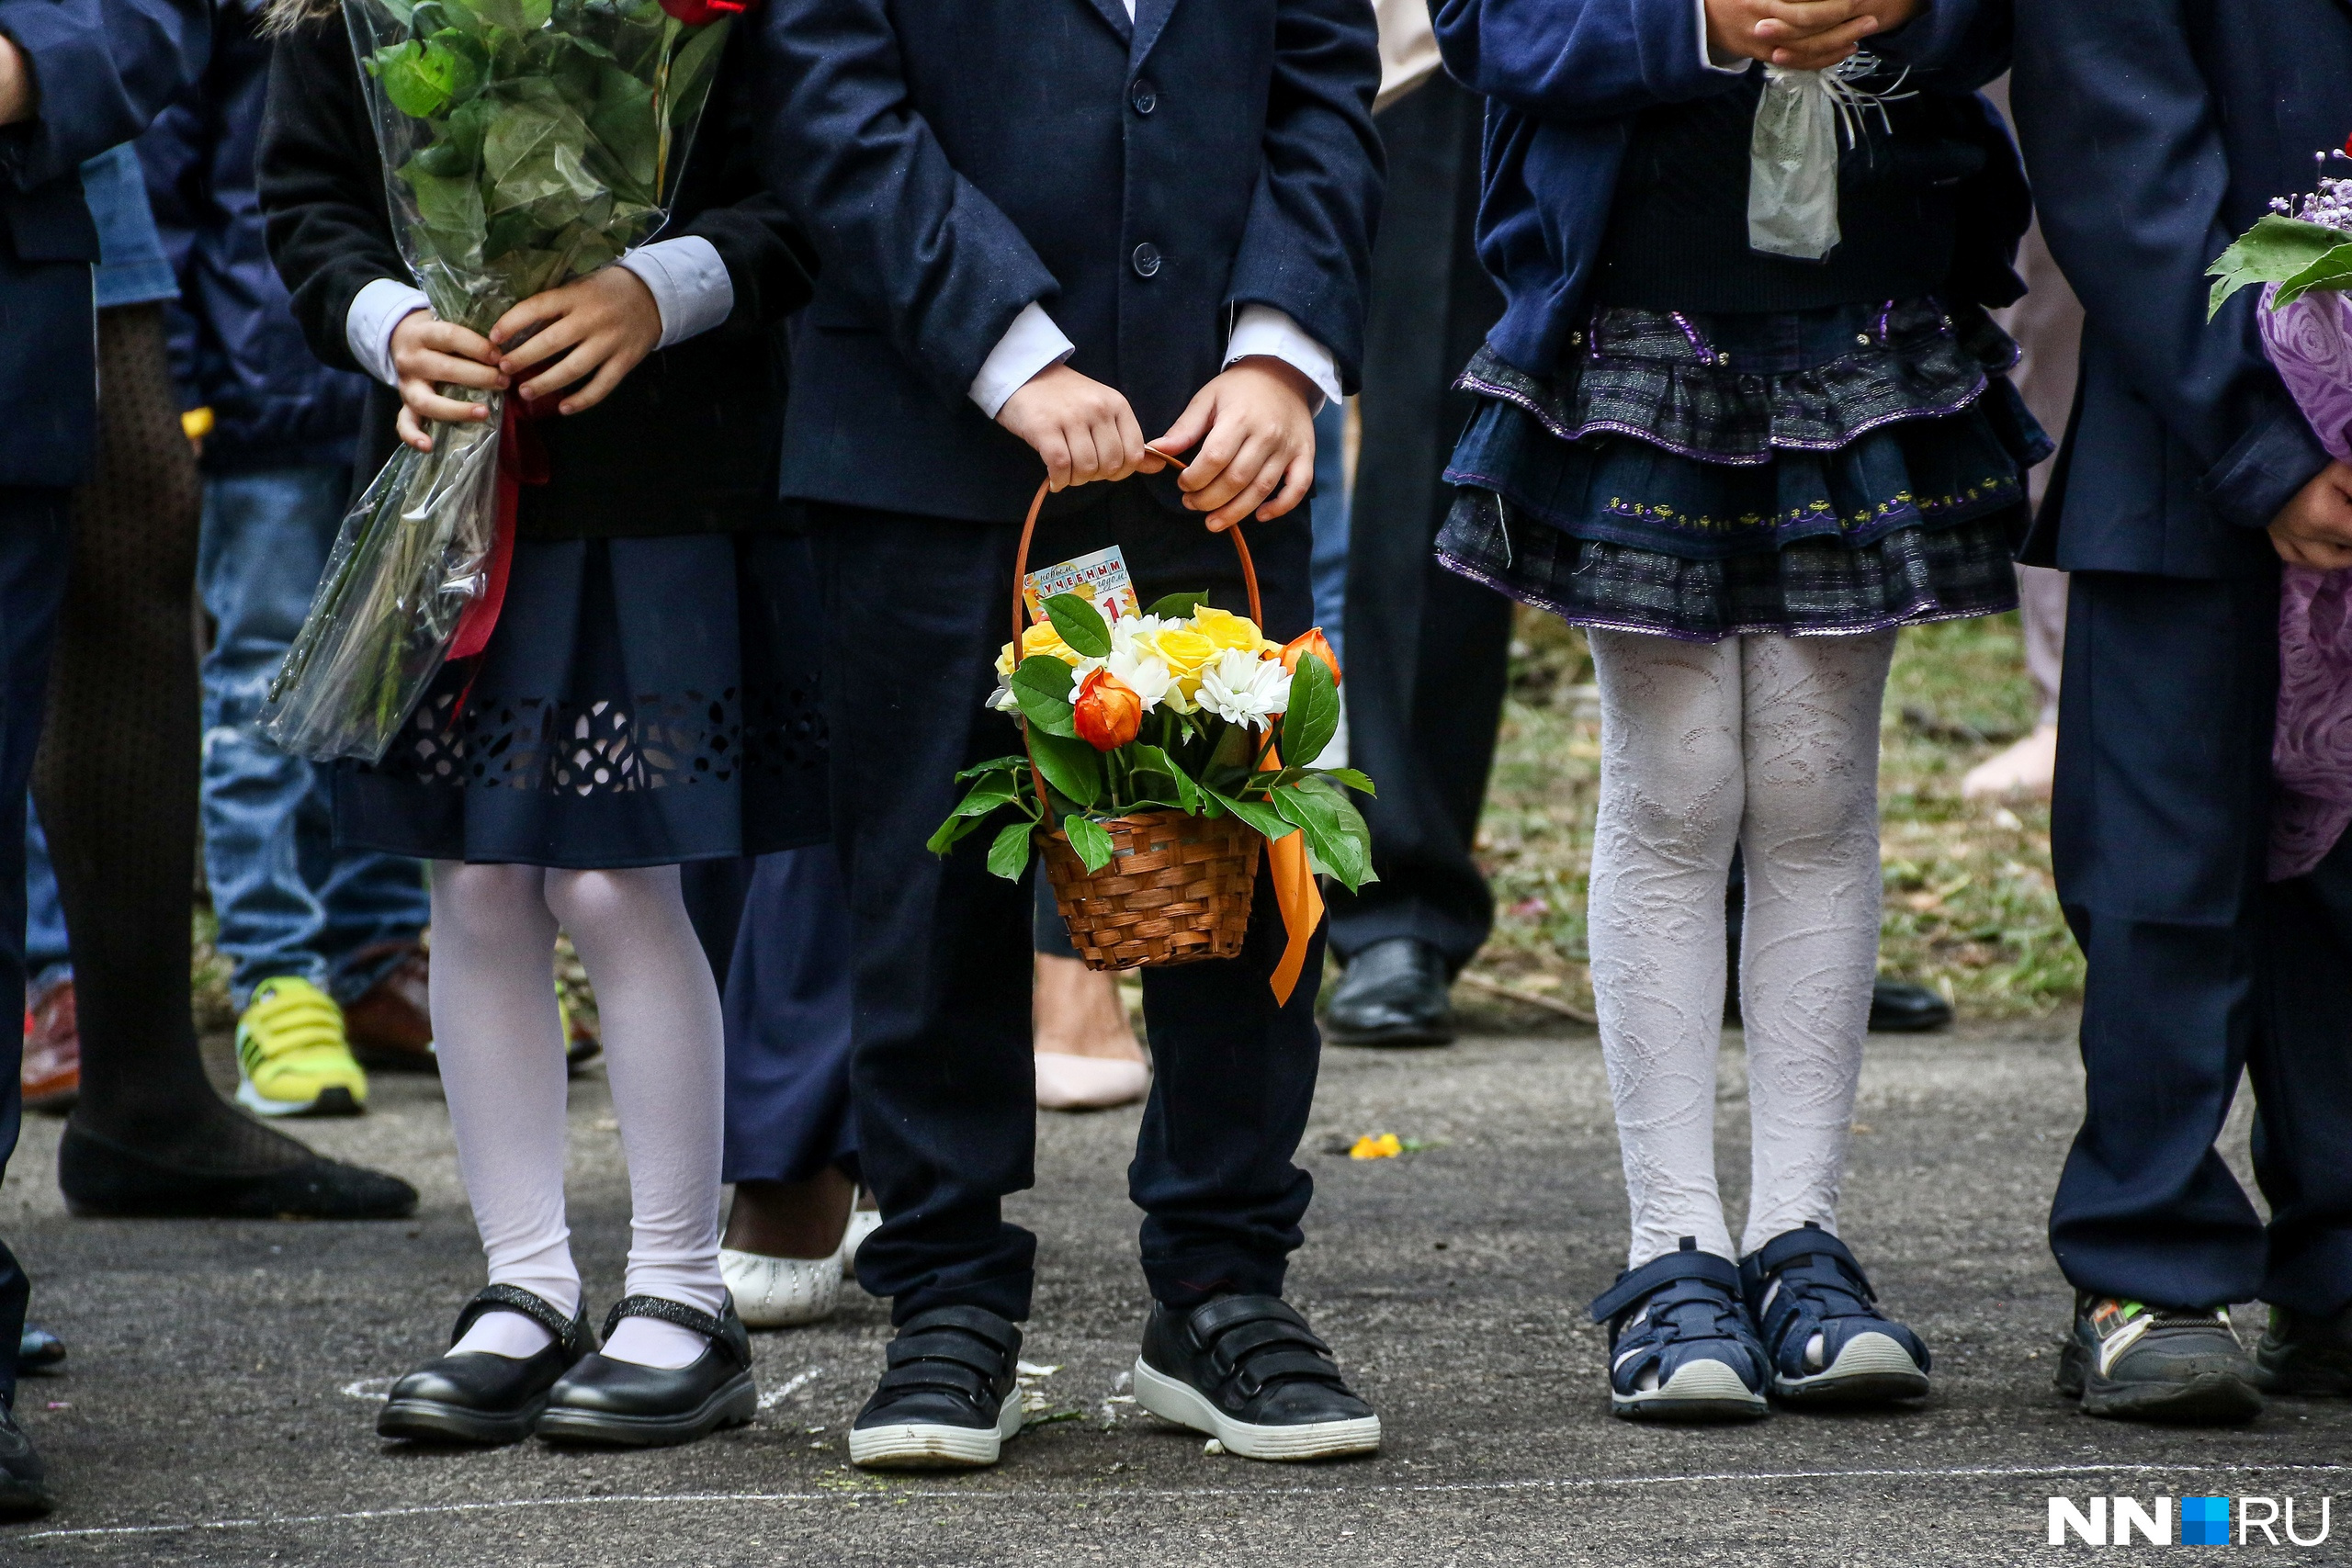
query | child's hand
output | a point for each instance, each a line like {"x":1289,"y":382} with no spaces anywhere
{"x":599,"y":326}
{"x":1802,"y":35}
{"x":427,"y":350}
{"x":2314,"y":528}
{"x":1259,"y":426}
{"x":1083,"y":430}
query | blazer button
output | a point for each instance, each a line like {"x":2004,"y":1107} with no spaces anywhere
{"x":1144,"y":96}
{"x":1146,"y":259}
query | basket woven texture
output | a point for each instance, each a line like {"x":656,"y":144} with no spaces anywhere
{"x":1178,"y":889}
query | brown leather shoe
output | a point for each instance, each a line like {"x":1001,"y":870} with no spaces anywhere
{"x":52,"y":1071}
{"x":390,"y":1024}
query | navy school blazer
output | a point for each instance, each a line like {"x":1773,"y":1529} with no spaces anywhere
{"x":955,"y":160}
{"x":105,"y":67}
{"x":2156,"y":133}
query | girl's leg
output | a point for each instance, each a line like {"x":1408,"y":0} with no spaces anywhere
{"x":1811,"y":950}
{"x":665,"y":1058}
{"x":1670,"y":800}
{"x":500,"y":1043}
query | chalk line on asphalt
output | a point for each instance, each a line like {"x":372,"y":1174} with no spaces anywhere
{"x":1392,"y":1489}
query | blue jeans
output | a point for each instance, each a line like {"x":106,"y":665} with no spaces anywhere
{"x":288,"y":903}
{"x":48,"y":959}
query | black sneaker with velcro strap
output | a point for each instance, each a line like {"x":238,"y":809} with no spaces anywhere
{"x":949,"y":1398}
{"x":1248,"y":1372}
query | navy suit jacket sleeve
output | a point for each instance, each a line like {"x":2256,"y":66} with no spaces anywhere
{"x":932,"y":259}
{"x":103,"y":69}
{"x":2124,"y":144}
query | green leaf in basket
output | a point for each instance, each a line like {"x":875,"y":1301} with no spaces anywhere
{"x":1071,"y":766}
{"x":1337,"y":837}
{"x":1150,"y":763}
{"x":1086,"y":836}
{"x":1348,"y":776}
{"x":948,"y":834}
{"x":2276,"y":250}
{"x":1081,"y":623}
{"x":1257,"y":813}
{"x":1313,"y":715}
{"x":1041,"y":687}
{"x":1176,"y":606}
{"x":1009,"y":856}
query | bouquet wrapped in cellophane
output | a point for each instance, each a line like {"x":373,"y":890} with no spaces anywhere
{"x":526,"y":143}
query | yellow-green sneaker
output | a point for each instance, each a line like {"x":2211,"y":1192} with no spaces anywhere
{"x":292,"y":1058}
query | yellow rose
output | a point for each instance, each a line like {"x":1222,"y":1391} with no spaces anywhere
{"x":1185,"y":652}
{"x":1225,"y":629}
{"x":1039,"y":638}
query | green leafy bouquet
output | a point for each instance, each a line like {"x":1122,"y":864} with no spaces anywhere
{"x":526,"y":143}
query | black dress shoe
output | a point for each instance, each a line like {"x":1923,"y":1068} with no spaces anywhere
{"x":948,"y":1401}
{"x":1248,"y":1372}
{"x":39,"y":1350}
{"x":24,"y":1491}
{"x":105,"y":1180}
{"x":480,"y":1396}
{"x":2304,"y":1356}
{"x":1393,"y":992}
{"x":1898,"y":1007}
{"x":624,"y":1404}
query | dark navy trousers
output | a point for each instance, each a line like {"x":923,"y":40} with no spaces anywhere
{"x":916,"y":608}
{"x":2199,"y":969}
{"x":32,"y":584}
{"x":786,"y":1002}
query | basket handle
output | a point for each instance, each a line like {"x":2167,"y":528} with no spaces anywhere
{"x":1020,"y":578}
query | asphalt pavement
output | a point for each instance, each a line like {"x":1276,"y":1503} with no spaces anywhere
{"x":219,"y":1401}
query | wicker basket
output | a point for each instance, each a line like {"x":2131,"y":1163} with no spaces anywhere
{"x":1178,"y":889}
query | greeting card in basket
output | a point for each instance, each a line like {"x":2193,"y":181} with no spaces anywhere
{"x":1100,"y":579}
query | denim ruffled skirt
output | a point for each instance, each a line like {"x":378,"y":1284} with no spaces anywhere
{"x":1845,"y":470}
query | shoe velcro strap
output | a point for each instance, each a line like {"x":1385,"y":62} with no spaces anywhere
{"x":662,"y":1309}
{"x":1809,"y":1240}
{"x":946,"y":1345}
{"x":515,"y":1298}
{"x":949,"y":1377}
{"x":1284,"y":1366}
{"x":1004,"y":1335}
{"x":1634,"y":1284}
{"x":1243,"y":1342}
{"x":1229,"y":1312}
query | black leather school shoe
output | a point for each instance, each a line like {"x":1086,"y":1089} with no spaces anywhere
{"x":479,"y":1397}
{"x":949,"y":1400}
{"x":1248,"y":1372}
{"x":24,"y":1486}
{"x":625,"y":1406}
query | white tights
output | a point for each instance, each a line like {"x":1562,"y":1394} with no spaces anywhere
{"x":501,"y":1046}
{"x":1770,"y":743}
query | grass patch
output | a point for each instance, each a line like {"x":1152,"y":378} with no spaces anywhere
{"x":1970,"y":905}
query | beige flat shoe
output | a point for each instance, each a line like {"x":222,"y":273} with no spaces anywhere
{"x":1089,"y":1083}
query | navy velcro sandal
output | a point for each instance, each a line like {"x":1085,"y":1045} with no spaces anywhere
{"x":1829,"y":1343}
{"x":1681,"y":1345}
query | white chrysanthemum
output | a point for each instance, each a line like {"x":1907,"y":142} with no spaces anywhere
{"x":1130,"y":630}
{"x":1148,"y":677}
{"x":1245,"y":688}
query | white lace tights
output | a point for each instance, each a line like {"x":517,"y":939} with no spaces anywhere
{"x":501,"y":1046}
{"x":1770,"y":743}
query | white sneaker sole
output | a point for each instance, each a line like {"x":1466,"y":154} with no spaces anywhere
{"x":1872,"y":1370}
{"x":917,"y":1446}
{"x":1171,"y":1399}
{"x":1699,"y":1391}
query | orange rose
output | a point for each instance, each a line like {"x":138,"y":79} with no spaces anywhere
{"x":1311,"y":640}
{"x":1107,"y":711}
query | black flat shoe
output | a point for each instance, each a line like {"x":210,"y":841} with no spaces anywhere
{"x":24,"y":1489}
{"x":1898,"y":1007}
{"x":1250,"y":1372}
{"x":1393,"y":993}
{"x":623,"y":1405}
{"x":481,"y":1397}
{"x":39,"y":1350}
{"x":104,"y":1179}
{"x":2305,"y":1357}
{"x":948,"y":1401}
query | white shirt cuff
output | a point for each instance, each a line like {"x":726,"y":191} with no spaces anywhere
{"x":1739,"y":62}
{"x":368,"y":325}
{"x":689,"y":284}
{"x":1030,"y":345}
{"x":1263,"y":330}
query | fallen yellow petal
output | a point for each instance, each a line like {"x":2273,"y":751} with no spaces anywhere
{"x":1384,"y":1146}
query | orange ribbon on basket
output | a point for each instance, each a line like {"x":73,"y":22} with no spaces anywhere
{"x":522,"y":460}
{"x":1300,"y":899}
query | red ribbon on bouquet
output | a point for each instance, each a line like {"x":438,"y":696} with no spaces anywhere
{"x":522,"y":460}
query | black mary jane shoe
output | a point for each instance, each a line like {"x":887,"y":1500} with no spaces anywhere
{"x":1250,"y":1372}
{"x":479,"y":1397}
{"x":622,"y":1404}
